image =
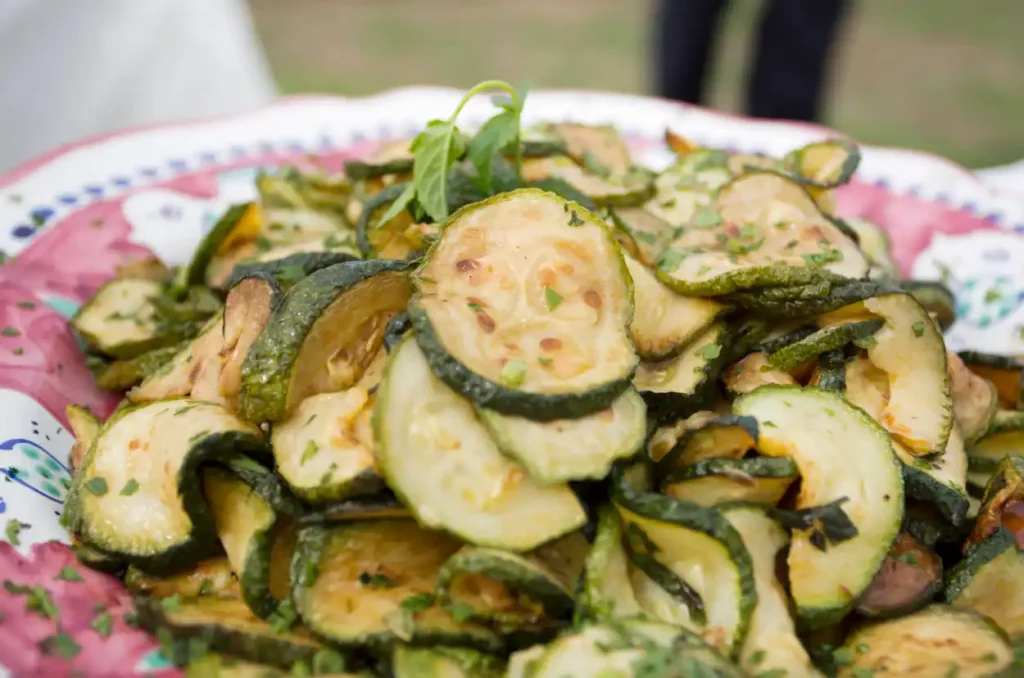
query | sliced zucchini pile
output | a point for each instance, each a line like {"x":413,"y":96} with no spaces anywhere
{"x":501,"y":402}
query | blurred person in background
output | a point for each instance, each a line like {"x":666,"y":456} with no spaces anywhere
{"x":790,"y":61}
{"x":74,"y":68}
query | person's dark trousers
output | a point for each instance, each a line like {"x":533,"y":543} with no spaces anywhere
{"x":790,"y":59}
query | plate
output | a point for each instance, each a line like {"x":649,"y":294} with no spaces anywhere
{"x":67,"y":219}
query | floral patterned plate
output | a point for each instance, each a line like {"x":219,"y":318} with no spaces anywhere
{"x":67,"y":219}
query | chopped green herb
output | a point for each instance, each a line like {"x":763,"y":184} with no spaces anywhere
{"x":993,"y":295}
{"x":823,"y":258}
{"x":12,"y":530}
{"x":594,"y":167}
{"x":648,"y":238}
{"x":185,"y":408}
{"x":69,"y":573}
{"x":475,"y":307}
{"x":861,"y":672}
{"x":544,"y":361}
{"x":103,"y":624}
{"x":60,"y":645}
{"x":198,"y":436}
{"x":706,"y":217}
{"x":10,"y":332}
{"x":862,"y":648}
{"x":843,"y":656}
{"x":328,"y":661}
{"x":769,"y":424}
{"x":429,"y":281}
{"x":376,"y":581}
{"x":130,"y":487}
{"x":39,"y":599}
{"x":830,"y":412}
{"x":574,"y":219}
{"x":710,"y":352}
{"x":671,"y":258}
{"x":757,"y":657}
{"x":418,"y":602}
{"x":514,"y":372}
{"x":309,"y":421}
{"x":772,"y":673}
{"x":264,"y":244}
{"x":205,"y":587}
{"x":311,"y":450}
{"x":328,"y":474}
{"x":97,"y":486}
{"x":171,"y":603}
{"x":989,"y":657}
{"x":18,"y":351}
{"x":460,"y":612}
{"x":865,"y":342}
{"x":552,"y":298}
{"x":28,"y":305}
{"x":283,"y":618}
{"x":918,"y":328}
{"x":749,"y":231}
{"x":909,"y":559}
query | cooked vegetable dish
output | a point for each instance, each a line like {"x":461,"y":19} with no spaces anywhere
{"x":503,"y":403}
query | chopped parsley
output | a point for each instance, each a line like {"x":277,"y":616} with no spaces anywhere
{"x":574,"y":219}
{"x":544,"y":361}
{"x":69,"y":573}
{"x":103,"y":624}
{"x":918,"y":328}
{"x":909,"y":559}
{"x":707,"y":217}
{"x":843,"y":656}
{"x":311,"y":451}
{"x":27,"y":305}
{"x":130,"y":487}
{"x":514,"y":372}
{"x":60,"y":645}
{"x":710,"y":352}
{"x":328,"y":661}
{"x":10,"y":332}
{"x":376,"y":581}
{"x":13,"y":530}
{"x":475,"y":307}
{"x":460,"y":612}
{"x":823,"y":258}
{"x":171,"y":603}
{"x":418,"y":602}
{"x":97,"y":486}
{"x":552,"y":298}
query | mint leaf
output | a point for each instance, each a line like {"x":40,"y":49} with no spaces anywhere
{"x":400,"y":203}
{"x":494,"y":135}
{"x":435,"y":150}
{"x":552,"y":298}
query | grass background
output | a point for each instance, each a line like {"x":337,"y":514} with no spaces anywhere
{"x":941,"y":75}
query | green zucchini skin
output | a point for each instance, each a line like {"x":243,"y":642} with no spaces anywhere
{"x":920,"y":485}
{"x":977,"y":557}
{"x":705,"y":356}
{"x":359,"y":170}
{"x":267,"y":369}
{"x":195,"y":272}
{"x":564,"y":189}
{"x":822,"y":341}
{"x":529,"y":579}
{"x":121,"y":375}
{"x":267,"y":485}
{"x":794,"y":160}
{"x":681,"y":454}
{"x":495,"y":396}
{"x":287,"y":271}
{"x":376,"y":203}
{"x":762,"y":480}
{"x":1005,"y":372}
{"x":605,"y":589}
{"x":839,"y":295}
{"x":832,"y":370}
{"x":241,"y":640}
{"x":363,"y":508}
{"x":935,"y":297}
{"x":773,"y":344}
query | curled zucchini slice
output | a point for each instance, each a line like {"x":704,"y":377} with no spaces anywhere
{"x":393,"y":157}
{"x":443,"y":662}
{"x":824,"y":164}
{"x":246,"y":312}
{"x":120,"y":319}
{"x":1005,"y":436}
{"x":909,"y":579}
{"x":1006,"y":373}
{"x":504,"y":587}
{"x":627,"y":650}
{"x":370,"y":584}
{"x":682,"y":383}
{"x":600,"y":147}
{"x":138,"y":493}
{"x":937,"y":641}
{"x":322,"y":336}
{"x":606,"y":590}
{"x":710,"y":482}
{"x":704,"y":551}
{"x":649,"y":233}
{"x":709,"y":437}
{"x":212,"y":577}
{"x":816,"y":428}
{"x":324,"y":450}
{"x":910,"y":350}
{"x":975,"y":399}
{"x":85,"y":426}
{"x":628,"y":190}
{"x":228,"y":626}
{"x":990,"y":581}
{"x":121,"y":375}
{"x":771,"y":642}
{"x":753,"y":371}
{"x":195,"y":367}
{"x":571,"y":449}
{"x":383,"y":505}
{"x":664,"y":321}
{"x":290,"y":269}
{"x":233,"y":226}
{"x":762,"y":230}
{"x":826,"y":339}
{"x":439,"y":458}
{"x":561,"y":351}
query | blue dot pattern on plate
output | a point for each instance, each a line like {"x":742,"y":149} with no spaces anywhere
{"x":28,"y":463}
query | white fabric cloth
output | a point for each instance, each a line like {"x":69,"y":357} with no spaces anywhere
{"x":74,"y":68}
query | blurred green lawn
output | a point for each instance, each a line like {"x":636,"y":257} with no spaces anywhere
{"x":941,"y":75}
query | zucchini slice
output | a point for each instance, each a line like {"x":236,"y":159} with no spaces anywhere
{"x":1005,"y":436}
{"x":704,"y":551}
{"x":830,"y":372}
{"x":975,"y":399}
{"x":682,"y":383}
{"x":628,"y":190}
{"x":226,"y":625}
{"x":762,"y":230}
{"x":1006,"y":373}
{"x":290,"y":269}
{"x":85,"y":426}
{"x":824,"y":164}
{"x":937,"y":299}
{"x":322,"y":336}
{"x":443,"y":662}
{"x":990,"y":581}
{"x":247,"y":310}
{"x":564,"y":350}
{"x":121,"y":375}
{"x":370,"y":584}
{"x":228,"y":229}
{"x":383,"y":505}
{"x":503,"y":587}
{"x":649,"y":233}
{"x":393,"y":157}
{"x":826,"y":339}
{"x":874,"y":243}
{"x":324,"y":449}
{"x":440,"y":460}
{"x":213,"y":577}
{"x":771,"y":642}
{"x":247,"y":526}
{"x":632,"y":649}
{"x":571,"y":449}
{"x":120,"y":319}
{"x":937,"y":641}
{"x":606,"y":591}
{"x":196,"y":367}
{"x":709,"y":437}
{"x":138,"y":493}
{"x":710,"y":482}
{"x":753,"y":371}
{"x":940,"y":480}
{"x":373,"y":236}
{"x":910,"y":578}
{"x":1003,"y":502}
{"x":598,"y":147}
{"x":664,"y":321}
{"x":910,"y":350}
{"x":817,"y":428}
